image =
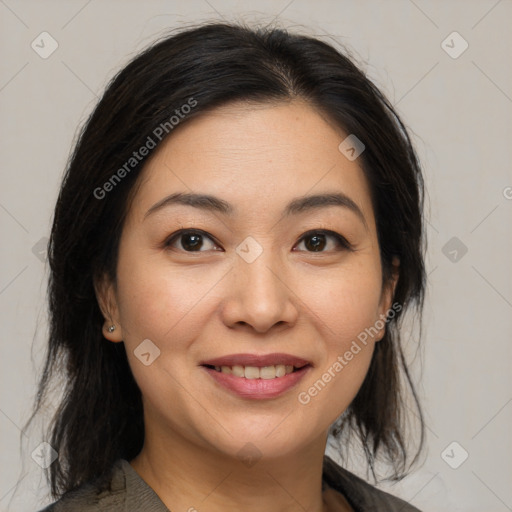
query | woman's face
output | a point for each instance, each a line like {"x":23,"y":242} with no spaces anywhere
{"x":262,"y":281}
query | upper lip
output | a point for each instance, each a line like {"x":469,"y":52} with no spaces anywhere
{"x":256,"y":360}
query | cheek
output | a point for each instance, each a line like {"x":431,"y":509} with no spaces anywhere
{"x":346,"y":308}
{"x":156,"y":298}
{"x":168,"y":307}
{"x":346,"y":300}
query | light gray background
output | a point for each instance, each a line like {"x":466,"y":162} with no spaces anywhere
{"x":460,"y":110}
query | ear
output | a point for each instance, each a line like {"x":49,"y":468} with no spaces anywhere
{"x":107,"y":301}
{"x":387,"y":295}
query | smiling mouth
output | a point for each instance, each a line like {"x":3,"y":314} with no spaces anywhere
{"x":257,"y":372}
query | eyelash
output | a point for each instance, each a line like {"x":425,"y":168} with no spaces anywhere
{"x":341,"y":241}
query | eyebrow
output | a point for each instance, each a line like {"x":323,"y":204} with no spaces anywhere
{"x":296,"y":206}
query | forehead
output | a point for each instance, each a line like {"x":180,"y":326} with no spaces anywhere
{"x":256,"y":157}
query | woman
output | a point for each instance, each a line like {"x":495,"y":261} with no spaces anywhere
{"x":236,"y":239}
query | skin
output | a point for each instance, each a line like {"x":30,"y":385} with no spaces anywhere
{"x":200,"y":305}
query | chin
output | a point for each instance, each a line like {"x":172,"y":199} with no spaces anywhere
{"x":267,"y":439}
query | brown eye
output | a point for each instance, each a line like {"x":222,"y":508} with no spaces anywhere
{"x":189,"y":241}
{"x":317,"y":241}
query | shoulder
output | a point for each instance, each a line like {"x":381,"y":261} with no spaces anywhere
{"x":90,"y":497}
{"x":363,"y":496}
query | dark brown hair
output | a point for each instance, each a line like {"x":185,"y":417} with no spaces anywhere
{"x":100,"y":417}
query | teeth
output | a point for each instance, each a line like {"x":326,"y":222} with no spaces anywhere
{"x":281,"y":370}
{"x":238,"y":371}
{"x":251,"y":372}
{"x":254,"y":372}
{"x":268,"y":372}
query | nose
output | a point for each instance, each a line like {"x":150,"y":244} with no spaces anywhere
{"x":260,"y":296}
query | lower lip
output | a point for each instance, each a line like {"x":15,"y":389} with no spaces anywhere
{"x":258,"y":389}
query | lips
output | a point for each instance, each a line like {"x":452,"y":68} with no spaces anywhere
{"x":257,"y":377}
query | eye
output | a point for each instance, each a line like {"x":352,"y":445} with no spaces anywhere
{"x":193,"y":240}
{"x":317,"y":241}
{"x":190,"y":240}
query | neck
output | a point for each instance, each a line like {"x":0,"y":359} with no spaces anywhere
{"x":188,"y":477}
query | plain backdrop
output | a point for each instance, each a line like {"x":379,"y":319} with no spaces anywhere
{"x":454,"y":91}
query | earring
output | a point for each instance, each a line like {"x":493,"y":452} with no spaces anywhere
{"x":112,"y":328}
